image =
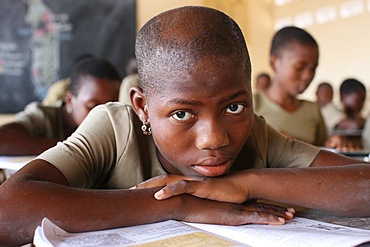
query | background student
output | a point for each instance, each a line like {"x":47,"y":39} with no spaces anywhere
{"x":192,"y":115}
{"x":352,"y":97}
{"x":93,"y":81}
{"x":331,"y":113}
{"x":263,"y":81}
{"x":58,"y":90}
{"x":294,"y":57}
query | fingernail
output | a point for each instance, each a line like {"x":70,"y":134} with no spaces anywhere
{"x":132,"y":188}
{"x":289,"y":214}
{"x":292,"y":210}
{"x":159,"y":194}
{"x":282,"y":220}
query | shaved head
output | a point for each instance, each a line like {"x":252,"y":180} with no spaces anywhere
{"x":173,"y":42}
{"x":284,"y":38}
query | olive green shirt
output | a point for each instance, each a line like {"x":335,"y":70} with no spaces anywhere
{"x":109,"y":150}
{"x":305,"y":124}
{"x":42,"y":121}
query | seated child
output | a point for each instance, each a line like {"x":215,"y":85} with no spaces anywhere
{"x":58,"y":90}
{"x":331,"y":113}
{"x":37,"y":128}
{"x":352,"y":96}
{"x":263,"y":81}
{"x":191,"y":115}
{"x":294,"y":57}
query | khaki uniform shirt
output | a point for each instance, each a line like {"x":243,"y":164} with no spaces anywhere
{"x":109,"y":150}
{"x":305,"y":124}
{"x":42,"y":121}
{"x":332,"y":115}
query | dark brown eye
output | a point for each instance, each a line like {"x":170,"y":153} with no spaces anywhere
{"x":182,"y":115}
{"x":235,"y":108}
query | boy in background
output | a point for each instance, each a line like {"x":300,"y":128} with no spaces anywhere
{"x":294,"y":56}
{"x":93,"y":82}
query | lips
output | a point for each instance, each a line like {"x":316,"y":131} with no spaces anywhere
{"x":212,"y":169}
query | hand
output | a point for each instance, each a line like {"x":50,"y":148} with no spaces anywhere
{"x":212,"y":212}
{"x":343,"y":143}
{"x":225,"y":189}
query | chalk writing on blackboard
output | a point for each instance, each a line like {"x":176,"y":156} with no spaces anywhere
{"x":40,"y":40}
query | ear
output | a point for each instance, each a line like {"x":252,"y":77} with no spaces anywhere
{"x":68,"y":98}
{"x":139,"y":104}
{"x":273,"y":60}
{"x":342,"y":97}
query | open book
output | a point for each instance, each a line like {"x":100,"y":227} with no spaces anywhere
{"x":297,"y":232}
{"x":11,"y":164}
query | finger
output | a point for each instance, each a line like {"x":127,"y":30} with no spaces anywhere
{"x":247,"y":217}
{"x":269,"y":209}
{"x":265,"y":206}
{"x":204,"y":188}
{"x":177,"y":188}
{"x":159,"y":181}
{"x":153,"y":182}
{"x":263,"y":218}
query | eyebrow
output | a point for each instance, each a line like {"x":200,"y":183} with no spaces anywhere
{"x":233,"y":96}
{"x":198,"y":103}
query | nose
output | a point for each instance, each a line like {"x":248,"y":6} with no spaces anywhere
{"x":307,"y":75}
{"x":211,"y":135}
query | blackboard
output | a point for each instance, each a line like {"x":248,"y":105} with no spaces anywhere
{"x":40,"y":39}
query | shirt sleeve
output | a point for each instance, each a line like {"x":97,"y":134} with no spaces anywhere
{"x":284,"y":152}
{"x":88,"y":156}
{"x":33,"y":119}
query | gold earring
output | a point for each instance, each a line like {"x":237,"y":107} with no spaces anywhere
{"x":146,"y":129}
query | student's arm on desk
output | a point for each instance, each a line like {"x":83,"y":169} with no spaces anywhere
{"x":15,"y":140}
{"x":341,"y":190}
{"x":40,"y":190}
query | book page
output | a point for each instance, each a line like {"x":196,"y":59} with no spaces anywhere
{"x":297,"y":232}
{"x":14,"y":162}
{"x":167,"y":233}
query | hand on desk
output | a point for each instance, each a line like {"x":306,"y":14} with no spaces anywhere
{"x":240,"y":212}
{"x":228,"y":190}
{"x":344,"y":143}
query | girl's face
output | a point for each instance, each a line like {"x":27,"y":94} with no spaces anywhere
{"x":93,"y":92}
{"x":201,"y":119}
{"x":295,"y":67}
